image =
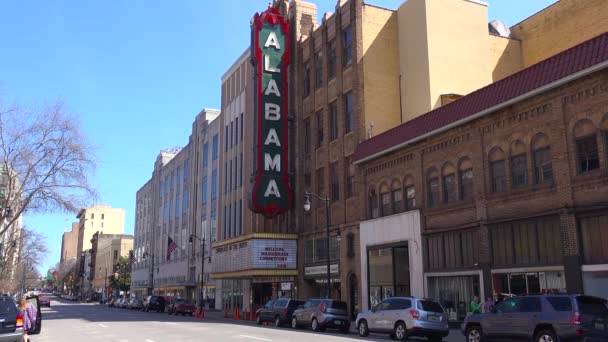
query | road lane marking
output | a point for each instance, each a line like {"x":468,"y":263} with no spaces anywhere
{"x":171,"y":323}
{"x":255,"y":338}
{"x":103,"y":325}
{"x":149,"y":341}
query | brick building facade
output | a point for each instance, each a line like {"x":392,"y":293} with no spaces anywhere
{"x":510,"y":183}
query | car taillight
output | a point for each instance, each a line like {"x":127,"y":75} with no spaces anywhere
{"x":19,"y":321}
{"x":285,"y":311}
{"x":415,"y":314}
{"x":576,"y":319}
{"x":322,"y":307}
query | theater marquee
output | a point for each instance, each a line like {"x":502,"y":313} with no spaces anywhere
{"x":271,"y":191}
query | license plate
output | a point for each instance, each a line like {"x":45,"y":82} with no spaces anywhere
{"x":336,"y":322}
{"x":600,"y":326}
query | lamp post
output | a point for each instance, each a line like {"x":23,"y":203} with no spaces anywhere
{"x":202,"y":241}
{"x":327,"y":216}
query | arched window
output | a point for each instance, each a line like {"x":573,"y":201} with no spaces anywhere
{"x":465,"y":173}
{"x":373,"y":204}
{"x":432,"y":183}
{"x":448,"y":178}
{"x":397,"y":194}
{"x":386,"y":207}
{"x":410,"y":193}
{"x":541,"y":152}
{"x":587,"y":156}
{"x":519,"y":165}
{"x":498,"y":178}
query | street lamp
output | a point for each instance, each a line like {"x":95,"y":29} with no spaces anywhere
{"x":202,"y":241}
{"x":327,"y":216}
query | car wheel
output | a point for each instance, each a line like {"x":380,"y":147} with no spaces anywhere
{"x":294,"y":322}
{"x":258,"y":320}
{"x":400,"y":331}
{"x":277,"y":321}
{"x":314,"y":325}
{"x":363,"y":328}
{"x":474,"y":334}
{"x":546,"y":336}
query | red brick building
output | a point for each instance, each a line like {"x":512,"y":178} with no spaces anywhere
{"x":509,"y":187}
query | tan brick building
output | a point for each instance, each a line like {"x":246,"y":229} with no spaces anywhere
{"x":509,"y":184}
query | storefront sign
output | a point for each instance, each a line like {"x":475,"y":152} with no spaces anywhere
{"x":274,"y":254}
{"x":271,"y":192}
{"x":320,"y":270}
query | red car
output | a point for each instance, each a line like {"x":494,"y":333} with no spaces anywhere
{"x":183,"y":306}
{"x":44,"y":301}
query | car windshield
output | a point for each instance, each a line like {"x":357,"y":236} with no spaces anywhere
{"x":429,"y":305}
{"x":592,"y":306}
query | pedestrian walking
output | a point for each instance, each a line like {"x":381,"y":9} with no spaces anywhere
{"x":475,"y":307}
{"x":488,"y":305}
{"x":28,"y":311}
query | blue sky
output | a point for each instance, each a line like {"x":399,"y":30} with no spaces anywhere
{"x":136,"y":72}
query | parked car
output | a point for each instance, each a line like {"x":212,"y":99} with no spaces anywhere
{"x":135,"y":303}
{"x":402,"y":317}
{"x":181,"y":306}
{"x":319,"y":314}
{"x":278,"y":311}
{"x":156,"y":303}
{"x":44,"y":301}
{"x":11,"y":321}
{"x":542,"y":318}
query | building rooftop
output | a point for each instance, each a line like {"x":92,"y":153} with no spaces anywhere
{"x":578,"y":61}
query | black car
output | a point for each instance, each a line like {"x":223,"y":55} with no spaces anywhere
{"x":278,"y":311}
{"x":542,"y":318}
{"x":155,"y":303}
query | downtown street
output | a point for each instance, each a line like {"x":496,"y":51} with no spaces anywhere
{"x":71,"y":321}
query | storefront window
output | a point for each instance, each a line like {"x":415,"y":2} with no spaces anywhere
{"x":388,"y":270}
{"x":454,"y":293}
{"x":596,"y":283}
{"x":529,"y":283}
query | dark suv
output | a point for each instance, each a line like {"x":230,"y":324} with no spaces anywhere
{"x":156,"y":303}
{"x":542,"y":318}
{"x":278,"y":311}
{"x":11,"y":321}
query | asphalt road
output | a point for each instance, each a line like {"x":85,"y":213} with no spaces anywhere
{"x":68,"y":321}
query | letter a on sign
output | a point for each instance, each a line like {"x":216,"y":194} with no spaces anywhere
{"x":271,"y":192}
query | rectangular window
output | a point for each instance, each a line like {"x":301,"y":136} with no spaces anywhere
{"x":466,"y":184}
{"x":204,"y":191}
{"x":92,"y":216}
{"x":335,"y":182}
{"x":331,"y":59}
{"x":179,"y":175}
{"x":307,"y":132}
{"x":410,"y":194}
{"x":320,"y":181}
{"x":319,"y":128}
{"x":306,"y":79}
{"x":241,"y":171}
{"x":543,"y":168}
{"x":587,"y":152}
{"x":235,"y":136}
{"x":397,"y":200}
{"x":433,"y":192}
{"x":386,"y":205}
{"x":205,"y":155}
{"x":225,"y":223}
{"x":347,"y":53}
{"x":236,"y":172}
{"x":319,"y":70}
{"x":229,"y":178}
{"x":215,"y":147}
{"x":519,"y":171}
{"x":102,"y":216}
{"x":309,"y":253}
{"x":226,"y":139}
{"x":242,"y":124}
{"x":349,"y":171}
{"x":225,"y":176}
{"x":333,"y":121}
{"x":349,"y":119}
{"x":497,"y":172}
{"x":449,"y":188}
{"x":214,"y":185}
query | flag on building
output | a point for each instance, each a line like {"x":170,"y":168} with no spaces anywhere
{"x":171,"y":246}
{"x":132,"y":259}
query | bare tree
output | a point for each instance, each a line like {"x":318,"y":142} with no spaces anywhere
{"x":46,"y":162}
{"x":32,"y":252}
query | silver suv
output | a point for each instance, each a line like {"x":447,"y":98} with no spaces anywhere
{"x":402,"y":317}
{"x":542,"y":318}
{"x":320,"y":314}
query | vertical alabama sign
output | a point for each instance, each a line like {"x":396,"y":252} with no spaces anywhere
{"x":271,"y":192}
